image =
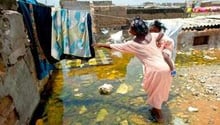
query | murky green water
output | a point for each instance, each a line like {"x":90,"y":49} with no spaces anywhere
{"x":75,"y":100}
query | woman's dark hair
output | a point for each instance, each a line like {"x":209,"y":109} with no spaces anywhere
{"x":159,"y":25}
{"x":139,"y":26}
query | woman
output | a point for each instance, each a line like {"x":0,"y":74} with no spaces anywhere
{"x":157,"y":78}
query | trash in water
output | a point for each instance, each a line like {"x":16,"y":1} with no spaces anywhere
{"x":105,"y":89}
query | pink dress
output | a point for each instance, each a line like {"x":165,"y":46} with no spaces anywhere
{"x":157,"y":78}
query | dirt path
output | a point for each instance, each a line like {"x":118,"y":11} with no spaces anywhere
{"x":197,"y":87}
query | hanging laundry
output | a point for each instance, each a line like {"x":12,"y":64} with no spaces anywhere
{"x":43,"y":67}
{"x":29,"y":1}
{"x":71,"y":33}
{"x":102,"y":58}
{"x":43,"y":22}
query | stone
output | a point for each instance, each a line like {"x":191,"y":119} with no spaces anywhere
{"x":101,"y":115}
{"x":14,"y":56}
{"x":125,"y":122}
{"x":193,"y":109}
{"x":178,"y":121}
{"x":83,"y":109}
{"x":105,"y":89}
{"x":122,"y":89}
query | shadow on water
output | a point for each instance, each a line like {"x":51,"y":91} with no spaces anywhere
{"x":39,"y":112}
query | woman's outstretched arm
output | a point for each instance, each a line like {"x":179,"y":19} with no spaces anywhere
{"x":104,"y":45}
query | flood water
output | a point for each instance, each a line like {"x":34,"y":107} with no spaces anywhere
{"x":72,"y":96}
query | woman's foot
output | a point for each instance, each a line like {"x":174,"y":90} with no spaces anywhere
{"x":157,"y":115}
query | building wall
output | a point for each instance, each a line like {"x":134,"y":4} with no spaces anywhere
{"x":157,"y":16}
{"x":8,"y":113}
{"x":108,"y":17}
{"x":208,"y":4}
{"x":19,"y":87}
{"x":120,"y":16}
{"x":149,"y":14}
{"x":8,"y":4}
{"x":101,"y":3}
{"x":186,"y":39}
{"x":75,"y":5}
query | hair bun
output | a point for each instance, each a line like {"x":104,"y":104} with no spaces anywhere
{"x":139,"y":26}
{"x":158,"y":24}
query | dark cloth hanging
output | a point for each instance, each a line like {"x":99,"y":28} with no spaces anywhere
{"x":89,"y":22}
{"x":43,"y":21}
{"x":43,"y":67}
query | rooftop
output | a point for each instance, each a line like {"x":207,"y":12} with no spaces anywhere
{"x":198,"y":23}
{"x":201,"y":22}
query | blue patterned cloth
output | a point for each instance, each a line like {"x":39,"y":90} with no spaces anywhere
{"x":71,"y":33}
{"x":29,"y":1}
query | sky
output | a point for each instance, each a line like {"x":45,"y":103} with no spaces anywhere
{"x":116,"y":2}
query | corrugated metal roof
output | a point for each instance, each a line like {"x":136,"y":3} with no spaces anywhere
{"x":201,"y":22}
{"x":198,"y":23}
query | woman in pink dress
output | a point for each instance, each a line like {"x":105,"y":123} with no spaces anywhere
{"x":157,"y":78}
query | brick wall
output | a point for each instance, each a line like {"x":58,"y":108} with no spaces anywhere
{"x":164,"y":13}
{"x":119,"y":16}
{"x":108,"y":17}
{"x":101,"y":3}
{"x":75,"y":5}
{"x":157,"y":16}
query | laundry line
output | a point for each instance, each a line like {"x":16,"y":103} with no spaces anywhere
{"x":113,"y":16}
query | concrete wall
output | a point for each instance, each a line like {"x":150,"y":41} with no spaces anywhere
{"x":108,"y":17}
{"x":75,"y":5}
{"x":186,"y":38}
{"x":119,"y":16}
{"x":8,"y":4}
{"x":101,"y":3}
{"x":207,"y":4}
{"x":163,"y":13}
{"x":19,"y":87}
{"x":8,"y":113}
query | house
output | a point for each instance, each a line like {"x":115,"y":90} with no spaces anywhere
{"x":201,"y":32}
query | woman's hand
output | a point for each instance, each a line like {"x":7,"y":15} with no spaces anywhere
{"x":99,"y":45}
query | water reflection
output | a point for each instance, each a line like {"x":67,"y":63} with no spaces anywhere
{"x":75,"y":99}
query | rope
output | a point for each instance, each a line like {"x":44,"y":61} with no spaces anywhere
{"x":113,"y":16}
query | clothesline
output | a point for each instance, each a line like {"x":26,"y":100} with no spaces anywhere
{"x":113,"y":16}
